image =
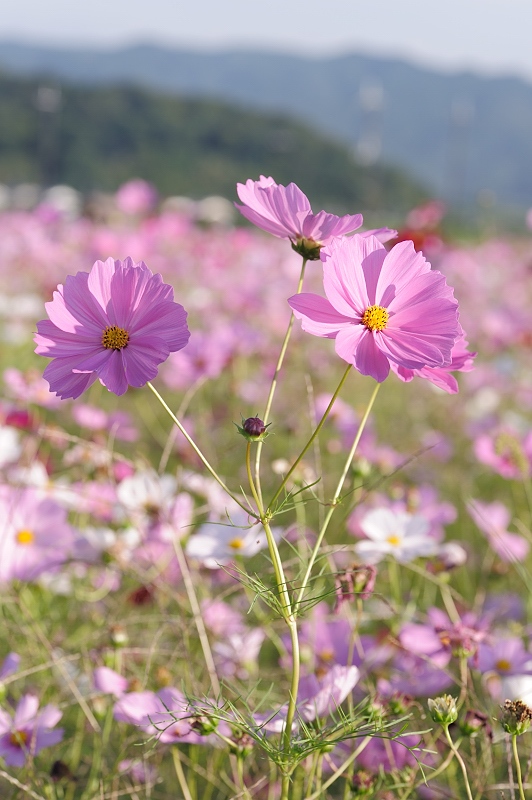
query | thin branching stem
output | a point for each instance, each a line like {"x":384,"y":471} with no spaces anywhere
{"x":311,"y":440}
{"x":334,"y":501}
{"x":273,"y":387}
{"x":196,"y":449}
{"x":286,"y":607}
{"x":341,"y":769}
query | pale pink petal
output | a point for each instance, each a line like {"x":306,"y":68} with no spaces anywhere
{"x":400,"y":266}
{"x":356,"y":345}
{"x":317,"y":315}
{"x":26,"y":710}
{"x":411,"y":350}
{"x":99,"y":284}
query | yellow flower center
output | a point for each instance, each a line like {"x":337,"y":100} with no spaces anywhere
{"x":375,"y":318}
{"x":326,"y":655}
{"x":503,"y":665}
{"x":18,"y":738}
{"x":25,"y":537}
{"x":394,"y":540}
{"x":236,"y":544}
{"x":115,"y":338}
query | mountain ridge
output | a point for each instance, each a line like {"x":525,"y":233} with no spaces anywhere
{"x":465,"y":135}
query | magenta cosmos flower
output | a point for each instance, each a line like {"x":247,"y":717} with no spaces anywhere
{"x":117,"y":323}
{"x":29,"y":731}
{"x":285,"y":211}
{"x":382,"y":307}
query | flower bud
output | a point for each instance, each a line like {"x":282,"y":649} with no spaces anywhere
{"x":253,"y":429}
{"x":474,"y":722}
{"x":254,"y":426}
{"x":443,"y":709}
{"x":242,"y":744}
{"x":363,"y":784}
{"x":203,"y":724}
{"x":515,"y":717}
{"x":399,"y":703}
{"x":119,"y":636}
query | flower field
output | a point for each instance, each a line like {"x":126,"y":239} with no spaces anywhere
{"x":266,"y":506}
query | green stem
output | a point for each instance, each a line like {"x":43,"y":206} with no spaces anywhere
{"x":335,"y":499}
{"x":286,"y":608}
{"x":441,"y":768}
{"x":180,"y":774}
{"x":273,"y":387}
{"x":244,"y":792}
{"x":198,"y":619}
{"x":518,"y":767}
{"x":460,"y":761}
{"x":341,"y":769}
{"x":280,"y":579}
{"x":311,"y":440}
{"x":196,"y":449}
{"x":395,"y":585}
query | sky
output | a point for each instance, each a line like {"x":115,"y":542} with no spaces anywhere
{"x":488,"y":36}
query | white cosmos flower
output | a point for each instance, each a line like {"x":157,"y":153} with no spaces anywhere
{"x":395,"y":533}
{"x":10,"y":447}
{"x":217,"y":543}
{"x":146,"y":493}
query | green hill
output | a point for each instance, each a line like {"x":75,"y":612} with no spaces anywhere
{"x":97,"y":138}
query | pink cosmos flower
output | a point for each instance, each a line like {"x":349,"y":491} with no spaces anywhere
{"x":136,"y":197}
{"x":9,"y":665}
{"x":317,"y":698}
{"x":506,"y":656}
{"x":285,"y":211}
{"x":493,"y":520}
{"x":108,"y":681}
{"x":506,"y":451}
{"x":117,"y":323}
{"x":167,"y":715}
{"x":34,"y":534}
{"x":382,"y":307}
{"x":29,"y":731}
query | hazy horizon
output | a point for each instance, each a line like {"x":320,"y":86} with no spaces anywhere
{"x":490,"y":37}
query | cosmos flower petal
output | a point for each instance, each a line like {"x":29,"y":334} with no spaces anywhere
{"x":317,"y":315}
{"x":414,"y":350}
{"x":81,"y":304}
{"x":26,"y":710}
{"x":401,"y":265}
{"x":344,"y":279}
{"x":68,"y":385}
{"x":99,"y":283}
{"x":141,"y":364}
{"x":112,"y":373}
{"x":53,"y":342}
{"x":169,"y":322}
{"x":357,"y":346}
{"x":49,"y":716}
